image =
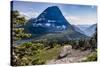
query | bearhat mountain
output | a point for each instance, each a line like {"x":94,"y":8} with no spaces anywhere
{"x":51,"y":22}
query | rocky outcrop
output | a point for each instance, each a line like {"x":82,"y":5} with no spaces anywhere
{"x":73,"y":57}
{"x":65,"y":51}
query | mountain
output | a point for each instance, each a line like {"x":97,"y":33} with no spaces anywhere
{"x":52,"y":24}
{"x":91,"y":30}
{"x":78,"y":29}
{"x":83,"y":27}
{"x":50,"y":20}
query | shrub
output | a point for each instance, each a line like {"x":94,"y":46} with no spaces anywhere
{"x":91,"y":57}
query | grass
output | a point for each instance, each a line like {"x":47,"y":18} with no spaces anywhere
{"x":46,"y":55}
{"x":35,"y":54}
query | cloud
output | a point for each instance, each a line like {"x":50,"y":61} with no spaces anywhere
{"x":31,"y":14}
{"x":80,"y":20}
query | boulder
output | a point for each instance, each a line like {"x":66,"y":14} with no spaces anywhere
{"x":65,"y":51}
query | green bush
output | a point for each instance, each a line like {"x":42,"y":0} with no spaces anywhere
{"x":26,"y":54}
{"x":91,"y":57}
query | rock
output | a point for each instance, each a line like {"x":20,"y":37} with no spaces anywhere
{"x":65,"y":51}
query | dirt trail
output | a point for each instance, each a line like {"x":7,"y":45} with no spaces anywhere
{"x":75,"y":56}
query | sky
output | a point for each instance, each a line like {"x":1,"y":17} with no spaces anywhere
{"x":75,"y":14}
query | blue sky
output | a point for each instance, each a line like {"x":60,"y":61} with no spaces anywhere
{"x":75,"y":14}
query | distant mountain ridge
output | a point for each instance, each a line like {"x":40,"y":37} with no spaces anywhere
{"x":88,"y":30}
{"x":83,"y":27}
{"x":91,"y":30}
{"x":78,"y":29}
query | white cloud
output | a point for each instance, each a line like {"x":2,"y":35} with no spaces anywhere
{"x":81,"y":20}
{"x":31,"y":14}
